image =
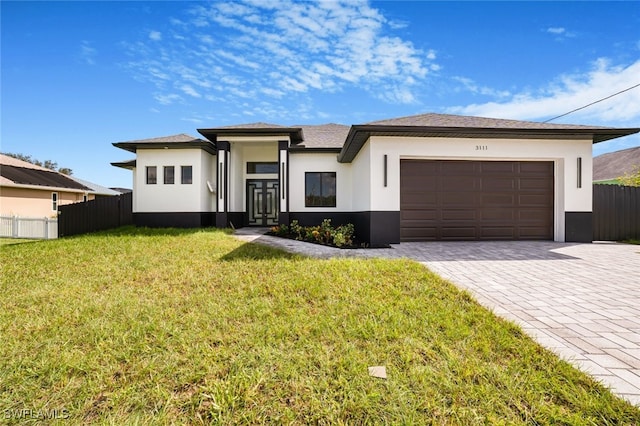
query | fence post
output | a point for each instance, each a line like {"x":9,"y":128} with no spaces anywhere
{"x":14,"y":227}
{"x":46,"y":228}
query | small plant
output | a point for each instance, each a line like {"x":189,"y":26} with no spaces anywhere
{"x":296,"y":230}
{"x":324,"y":233}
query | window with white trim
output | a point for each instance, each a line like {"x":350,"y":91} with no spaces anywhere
{"x":186,"y":175}
{"x":152,"y":175}
{"x":169,"y":175}
{"x":54,"y":201}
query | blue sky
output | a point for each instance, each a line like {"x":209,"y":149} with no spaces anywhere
{"x":77,"y":76}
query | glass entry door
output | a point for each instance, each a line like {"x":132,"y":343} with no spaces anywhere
{"x":262,"y":202}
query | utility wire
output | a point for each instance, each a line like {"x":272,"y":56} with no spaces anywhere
{"x":592,"y":103}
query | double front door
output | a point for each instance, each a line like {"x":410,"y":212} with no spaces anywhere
{"x":262,"y":202}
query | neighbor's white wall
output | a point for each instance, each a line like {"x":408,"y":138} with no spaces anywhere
{"x":175,"y":197}
{"x":300,"y":163}
{"x":563,"y":152}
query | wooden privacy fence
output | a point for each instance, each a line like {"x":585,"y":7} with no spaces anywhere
{"x":95,"y":215}
{"x":616,"y":213}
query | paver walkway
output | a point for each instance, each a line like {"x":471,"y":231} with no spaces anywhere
{"x":580,"y":300}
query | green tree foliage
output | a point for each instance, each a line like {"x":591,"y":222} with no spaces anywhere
{"x":632,"y":178}
{"x":48,"y":164}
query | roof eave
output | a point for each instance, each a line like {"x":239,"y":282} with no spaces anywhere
{"x":129,"y":165}
{"x":295,"y":134}
{"x":135,"y":146}
{"x":359,"y":134}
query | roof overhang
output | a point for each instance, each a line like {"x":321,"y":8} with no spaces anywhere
{"x":131,"y":164}
{"x":312,"y":150}
{"x":294,"y":134}
{"x":359,"y":134}
{"x":197,"y":143}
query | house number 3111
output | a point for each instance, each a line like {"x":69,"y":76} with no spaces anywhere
{"x":481,"y":147}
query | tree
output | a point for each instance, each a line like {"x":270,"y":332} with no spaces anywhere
{"x":632,"y":178}
{"x":48,"y":164}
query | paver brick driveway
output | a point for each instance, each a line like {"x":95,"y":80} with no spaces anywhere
{"x":580,"y":300}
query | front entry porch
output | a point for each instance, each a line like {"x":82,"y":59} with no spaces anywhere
{"x":262,"y":202}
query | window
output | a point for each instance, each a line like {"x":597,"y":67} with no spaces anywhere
{"x":54,"y":201}
{"x":85,"y":198}
{"x":257,"y":167}
{"x":187,"y":174}
{"x":320,"y":189}
{"x":169,"y":175}
{"x":151,"y":175}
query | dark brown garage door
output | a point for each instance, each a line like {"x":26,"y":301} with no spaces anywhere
{"x":476,"y":200}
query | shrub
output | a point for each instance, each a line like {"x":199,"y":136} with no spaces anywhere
{"x":325,"y":233}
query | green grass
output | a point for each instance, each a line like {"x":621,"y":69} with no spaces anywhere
{"x":167,"y":326}
{"x":9,"y":241}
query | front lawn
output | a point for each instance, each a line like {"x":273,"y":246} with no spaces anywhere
{"x":166,"y":326}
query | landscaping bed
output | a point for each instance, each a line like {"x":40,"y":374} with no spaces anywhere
{"x":342,"y":236}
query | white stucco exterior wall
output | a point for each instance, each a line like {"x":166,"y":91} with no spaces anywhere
{"x":299,"y":163}
{"x":564,"y":153}
{"x":176,"y":197}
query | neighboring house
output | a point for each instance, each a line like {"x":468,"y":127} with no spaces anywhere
{"x":418,"y":178}
{"x":609,"y":167}
{"x":28,"y":190}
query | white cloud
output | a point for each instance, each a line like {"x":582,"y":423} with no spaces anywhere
{"x":241,"y":48}
{"x":556,"y":30}
{"x":572,"y":91}
{"x":187,"y":89}
{"x":167,"y":99}
{"x":88,"y":53}
{"x":561,"y":33}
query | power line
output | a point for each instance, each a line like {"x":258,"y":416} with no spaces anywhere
{"x":592,"y":103}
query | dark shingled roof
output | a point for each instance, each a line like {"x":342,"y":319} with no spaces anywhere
{"x":616,"y":164}
{"x":324,"y":136}
{"x":28,"y":176}
{"x":258,"y":125}
{"x":460,"y":121}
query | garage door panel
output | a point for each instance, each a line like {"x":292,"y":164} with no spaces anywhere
{"x":459,"y":215}
{"x":542,"y":168}
{"x":469,"y":200}
{"x":418,"y":234}
{"x":533,"y":215}
{"x":499,"y":183}
{"x":488,"y":214}
{"x":501,"y":167}
{"x":457,"y":168}
{"x":497,"y":200}
{"x":497,"y":233}
{"x":457,"y":232}
{"x":454,"y":198}
{"x":533,"y":200}
{"x":531,"y":232}
{"x":419,"y":215}
{"x":536,"y":183}
{"x":459,"y":183}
